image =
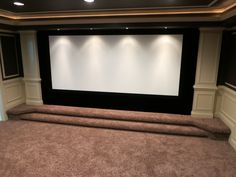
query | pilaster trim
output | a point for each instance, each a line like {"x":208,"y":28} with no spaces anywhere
{"x":32,"y":79}
{"x":12,"y":80}
{"x":205,"y":87}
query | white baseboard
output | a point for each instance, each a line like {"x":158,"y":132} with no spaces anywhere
{"x":201,"y":114}
{"x":34,"y":102}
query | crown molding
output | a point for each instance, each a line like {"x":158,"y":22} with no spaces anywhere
{"x":217,"y":14}
{"x":113,"y":13}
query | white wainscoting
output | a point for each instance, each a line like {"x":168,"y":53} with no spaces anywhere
{"x":225,"y":109}
{"x":33,"y":91}
{"x":13,"y":93}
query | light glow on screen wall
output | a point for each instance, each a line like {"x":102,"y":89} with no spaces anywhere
{"x":140,"y":64}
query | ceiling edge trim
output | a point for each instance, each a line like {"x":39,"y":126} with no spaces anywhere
{"x":112,"y":13}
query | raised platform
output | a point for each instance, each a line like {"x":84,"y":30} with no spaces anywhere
{"x":123,"y":120}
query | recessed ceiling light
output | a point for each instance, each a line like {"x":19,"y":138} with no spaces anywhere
{"x":89,"y":1}
{"x":18,"y":4}
{"x":127,"y":28}
{"x":166,"y":27}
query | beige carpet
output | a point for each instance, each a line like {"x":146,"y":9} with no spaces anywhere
{"x":34,"y":149}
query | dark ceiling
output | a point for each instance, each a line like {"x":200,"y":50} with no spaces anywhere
{"x":67,"y":5}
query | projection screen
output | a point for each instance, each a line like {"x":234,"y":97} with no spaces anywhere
{"x":137,"y":64}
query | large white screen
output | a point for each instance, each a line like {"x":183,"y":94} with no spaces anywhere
{"x":141,"y":64}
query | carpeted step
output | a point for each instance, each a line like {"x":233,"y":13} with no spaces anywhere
{"x":118,"y":125}
{"x":214,"y":126}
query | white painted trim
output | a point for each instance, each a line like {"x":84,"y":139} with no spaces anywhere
{"x":226,"y":110}
{"x":201,"y":114}
{"x":228,"y":90}
{"x":233,"y":86}
{"x":207,"y":72}
{"x":232,"y":142}
{"x":226,"y":119}
{"x":34,"y":102}
{"x":32,"y":79}
{"x":31,"y":67}
{"x":205,"y":87}
{"x":12,"y":80}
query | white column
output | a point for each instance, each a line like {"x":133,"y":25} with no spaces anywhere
{"x":31,"y":67}
{"x":207,"y":71}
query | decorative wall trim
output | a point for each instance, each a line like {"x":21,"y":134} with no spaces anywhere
{"x":204,"y":88}
{"x":207,"y":72}
{"x":203,"y":103}
{"x":14,"y":62}
{"x":230,"y":85}
{"x":217,"y":11}
{"x":31,"y":68}
{"x":13,"y":92}
{"x":33,"y":91}
{"x":225,"y":109}
{"x":32,"y":80}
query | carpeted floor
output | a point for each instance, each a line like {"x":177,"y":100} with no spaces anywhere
{"x":34,"y":149}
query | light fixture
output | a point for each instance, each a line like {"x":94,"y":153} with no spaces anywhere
{"x":91,"y":28}
{"x":165,"y":27}
{"x":58,"y":29}
{"x":127,"y":28}
{"x":18,"y":4}
{"x":90,"y":1}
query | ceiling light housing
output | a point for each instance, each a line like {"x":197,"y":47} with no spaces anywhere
{"x":18,"y":3}
{"x":89,"y":1}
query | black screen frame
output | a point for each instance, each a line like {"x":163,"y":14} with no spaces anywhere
{"x":181,"y":104}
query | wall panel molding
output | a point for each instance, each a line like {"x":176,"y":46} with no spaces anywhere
{"x":225,"y":109}
{"x":33,"y":91}
{"x":13,"y":92}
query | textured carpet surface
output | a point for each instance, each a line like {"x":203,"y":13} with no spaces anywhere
{"x":118,"y":125}
{"x":212,"y":125}
{"x":34,"y":149}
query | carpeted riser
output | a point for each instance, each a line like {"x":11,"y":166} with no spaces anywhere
{"x":117,"y":125}
{"x":123,"y":120}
